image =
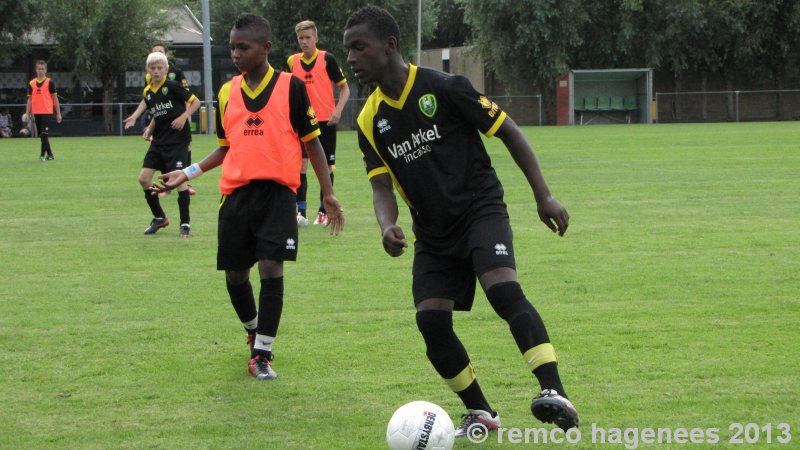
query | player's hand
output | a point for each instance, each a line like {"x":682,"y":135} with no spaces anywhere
{"x":128,"y":122}
{"x":335,"y":214}
{"x":171,"y":180}
{"x":334,"y":118}
{"x":179,"y":122}
{"x":394,"y":241}
{"x":553,"y":215}
{"x":146,"y":135}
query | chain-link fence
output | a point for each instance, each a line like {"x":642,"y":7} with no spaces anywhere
{"x":727,"y":106}
{"x":524,"y":109}
{"x":89,"y":119}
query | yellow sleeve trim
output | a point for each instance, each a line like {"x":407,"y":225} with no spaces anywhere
{"x":541,"y":354}
{"x":344,"y":81}
{"x":311,"y":135}
{"x":497,"y":124}
{"x":191,"y":99}
{"x":377,"y":171}
{"x":462,"y":380}
{"x":223,"y":142}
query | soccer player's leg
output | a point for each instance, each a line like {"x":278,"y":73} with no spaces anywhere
{"x":494,"y":262}
{"x":433,"y":289}
{"x":236,"y":255}
{"x":179,"y":159}
{"x":151,"y":161}
{"x":276,"y":242}
{"x":241,"y":294}
{"x":302,"y":220}
{"x":45,"y":152}
{"x":328,"y":141}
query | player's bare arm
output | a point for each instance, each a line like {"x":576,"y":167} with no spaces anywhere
{"x":336,"y":114}
{"x":318,"y":161}
{"x":147,"y":134}
{"x":385,"y":204}
{"x":130,"y":120}
{"x":57,"y":107}
{"x":180,"y":121}
{"x":549,"y":209}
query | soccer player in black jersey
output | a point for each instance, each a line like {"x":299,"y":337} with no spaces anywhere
{"x":174,"y":73}
{"x":171,"y":136}
{"x":420,"y":131}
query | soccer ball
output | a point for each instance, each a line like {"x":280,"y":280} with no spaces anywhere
{"x":24,"y":132}
{"x":420,"y":425}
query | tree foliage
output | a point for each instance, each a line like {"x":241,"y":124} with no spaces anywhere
{"x":330,"y":17}
{"x":18,"y":18}
{"x":532,"y":42}
{"x":104,"y":38}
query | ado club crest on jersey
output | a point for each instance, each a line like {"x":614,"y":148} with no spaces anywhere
{"x":427,"y":104}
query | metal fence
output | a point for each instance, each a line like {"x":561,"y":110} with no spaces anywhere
{"x":525,"y":109}
{"x":86,"y":119}
{"x":727,"y":106}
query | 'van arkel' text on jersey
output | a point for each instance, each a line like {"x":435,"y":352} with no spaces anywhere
{"x":159,"y":109}
{"x":417,"y":146}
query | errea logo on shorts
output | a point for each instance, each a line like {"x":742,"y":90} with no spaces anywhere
{"x":291,"y":244}
{"x":500,"y":249}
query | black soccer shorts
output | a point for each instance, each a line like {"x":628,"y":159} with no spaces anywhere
{"x":327,"y":139}
{"x":166,"y":158}
{"x":452,"y":273}
{"x":257,"y":221}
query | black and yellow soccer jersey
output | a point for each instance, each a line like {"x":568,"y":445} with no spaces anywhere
{"x":429,"y":142}
{"x":166,"y":102}
{"x":301,"y":114}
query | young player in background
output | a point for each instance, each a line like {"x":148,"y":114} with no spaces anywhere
{"x":43,"y":104}
{"x":319,"y":71}
{"x":171,"y":136}
{"x":174,"y":73}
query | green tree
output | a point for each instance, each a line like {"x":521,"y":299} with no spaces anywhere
{"x":451,"y":32}
{"x":330,"y":17}
{"x":527,"y":42}
{"x":17,"y":19}
{"x":104,"y":38}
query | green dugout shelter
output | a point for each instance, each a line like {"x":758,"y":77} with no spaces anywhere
{"x":604,"y":96}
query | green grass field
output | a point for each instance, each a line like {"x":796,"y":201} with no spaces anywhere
{"x":673,"y":300}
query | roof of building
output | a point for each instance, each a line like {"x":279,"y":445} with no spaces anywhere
{"x":188,"y":31}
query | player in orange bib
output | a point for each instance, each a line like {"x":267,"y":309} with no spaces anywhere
{"x":263,"y":119}
{"x":43,"y":104}
{"x":319,"y":71}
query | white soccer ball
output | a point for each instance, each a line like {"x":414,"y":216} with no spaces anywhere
{"x":420,"y":425}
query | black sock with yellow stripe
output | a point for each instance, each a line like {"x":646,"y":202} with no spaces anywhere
{"x":529,"y":332}
{"x":449,"y":357}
